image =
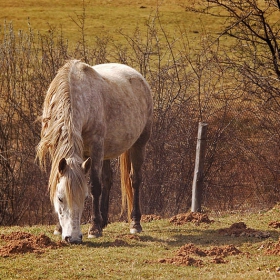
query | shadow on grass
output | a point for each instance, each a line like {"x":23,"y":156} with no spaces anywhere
{"x":213,"y":238}
{"x":179,"y":237}
{"x":173,"y":236}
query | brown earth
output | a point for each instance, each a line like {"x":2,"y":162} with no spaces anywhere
{"x":23,"y":242}
{"x":274,"y":224}
{"x":240,"y":229}
{"x":149,"y":218}
{"x":187,"y":253}
{"x":196,"y":218}
{"x":121,"y":240}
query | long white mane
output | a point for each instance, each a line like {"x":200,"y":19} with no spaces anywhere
{"x":59,"y":137}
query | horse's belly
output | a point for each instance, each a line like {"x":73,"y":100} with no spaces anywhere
{"x":119,"y":142}
{"x":114,"y":142}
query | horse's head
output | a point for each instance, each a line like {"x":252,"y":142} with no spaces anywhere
{"x":69,"y":197}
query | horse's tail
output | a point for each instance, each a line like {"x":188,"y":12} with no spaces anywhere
{"x":126,"y":187}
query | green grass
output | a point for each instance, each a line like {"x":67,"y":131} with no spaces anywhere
{"x":137,"y":258}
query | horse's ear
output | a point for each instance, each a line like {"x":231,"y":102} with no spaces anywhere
{"x":86,"y":165}
{"x":62,"y":165}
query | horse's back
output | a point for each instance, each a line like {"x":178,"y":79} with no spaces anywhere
{"x":125,"y":78}
{"x":115,"y":70}
{"x":127,"y":88}
{"x":127,"y":105}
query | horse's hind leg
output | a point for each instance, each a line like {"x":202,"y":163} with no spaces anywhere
{"x":107,"y":184}
{"x":137,"y":155}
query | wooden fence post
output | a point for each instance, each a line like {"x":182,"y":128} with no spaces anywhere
{"x":197,"y":187}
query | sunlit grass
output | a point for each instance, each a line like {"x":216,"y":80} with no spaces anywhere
{"x":103,"y":17}
{"x":137,"y":258}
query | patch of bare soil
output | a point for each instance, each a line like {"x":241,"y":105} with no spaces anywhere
{"x":274,"y":224}
{"x":240,"y":229}
{"x":121,"y":240}
{"x":187,"y":254}
{"x":196,"y":218}
{"x":149,"y":218}
{"x":23,"y":242}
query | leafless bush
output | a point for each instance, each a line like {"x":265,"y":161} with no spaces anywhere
{"x":22,"y":84}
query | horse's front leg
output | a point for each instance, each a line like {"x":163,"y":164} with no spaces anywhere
{"x":95,"y":229}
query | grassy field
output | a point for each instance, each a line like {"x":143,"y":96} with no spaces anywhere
{"x":118,"y":255}
{"x":102,"y":17}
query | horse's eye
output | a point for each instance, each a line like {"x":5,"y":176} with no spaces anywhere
{"x":60,"y":199}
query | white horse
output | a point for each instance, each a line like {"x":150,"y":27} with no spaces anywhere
{"x":95,"y":113}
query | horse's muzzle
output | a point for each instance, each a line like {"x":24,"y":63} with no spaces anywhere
{"x":70,"y":240}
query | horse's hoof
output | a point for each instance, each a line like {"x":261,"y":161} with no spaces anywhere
{"x":134,"y":231}
{"x":94,"y":233}
{"x":135,"y":228}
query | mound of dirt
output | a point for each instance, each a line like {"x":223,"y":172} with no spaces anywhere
{"x":186,"y":260}
{"x":187,"y":253}
{"x":240,"y":229}
{"x":149,"y":218}
{"x":125,"y":239}
{"x":274,"y":224}
{"x":23,"y":242}
{"x":196,"y":218}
